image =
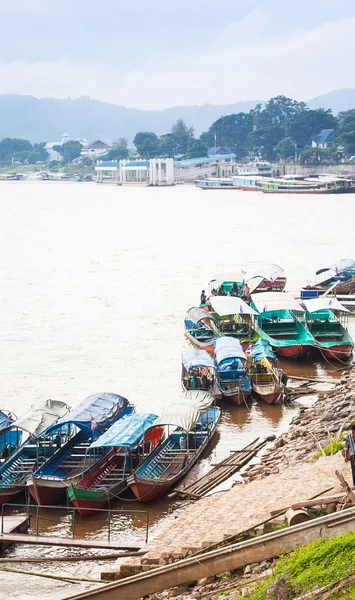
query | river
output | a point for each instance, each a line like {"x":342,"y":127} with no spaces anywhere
{"x":95,"y":284}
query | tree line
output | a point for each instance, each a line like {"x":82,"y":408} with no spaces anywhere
{"x":281,"y":129}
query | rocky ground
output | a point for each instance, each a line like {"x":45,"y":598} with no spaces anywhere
{"x":287,"y":473}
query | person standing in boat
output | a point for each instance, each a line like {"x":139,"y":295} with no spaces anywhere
{"x":235,"y":290}
{"x":203,"y":298}
{"x":350,"y":450}
{"x":246,"y":293}
{"x":222,"y":291}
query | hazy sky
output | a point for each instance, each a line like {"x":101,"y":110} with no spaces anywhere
{"x":159,"y":53}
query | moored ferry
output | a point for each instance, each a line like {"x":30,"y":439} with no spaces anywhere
{"x":214,"y":183}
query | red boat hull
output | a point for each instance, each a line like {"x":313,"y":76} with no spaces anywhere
{"x":147,"y":492}
{"x":45,"y":494}
{"x":297,"y":351}
{"x":8,"y":496}
{"x":86,"y":508}
{"x":238,"y":398}
{"x":337,"y":352}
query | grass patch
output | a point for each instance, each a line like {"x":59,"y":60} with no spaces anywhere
{"x":323,"y":562}
{"x":331,"y":449}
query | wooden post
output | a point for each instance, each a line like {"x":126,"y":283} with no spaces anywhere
{"x":346,"y":487}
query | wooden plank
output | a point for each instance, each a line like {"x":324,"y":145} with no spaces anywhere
{"x":309,"y":503}
{"x":42,"y":540}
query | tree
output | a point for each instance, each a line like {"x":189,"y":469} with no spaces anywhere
{"x":141,"y":137}
{"x":285,"y":148}
{"x":308,"y":123}
{"x":33,"y":157}
{"x":167,"y":145}
{"x":183,"y":136}
{"x":149,"y":148}
{"x":69,"y":151}
{"x":279,"y":110}
{"x":346,"y":132}
{"x":119,"y":150}
{"x":198,"y":149}
{"x":231,"y":131}
{"x":14,"y":148}
{"x":263,"y":141}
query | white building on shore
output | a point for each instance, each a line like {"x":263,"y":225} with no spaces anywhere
{"x":53,"y":154}
{"x":156,"y":171}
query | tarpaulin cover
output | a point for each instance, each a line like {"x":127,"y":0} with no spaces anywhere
{"x":236,"y":277}
{"x":262,"y":349}
{"x":128,"y":432}
{"x":41,"y":415}
{"x":228,"y":348}
{"x":5,"y":420}
{"x":344,"y":264}
{"x":103,"y":408}
{"x":230,"y":305}
{"x":270,"y":272}
{"x":186,"y":410}
{"x":196,"y":314}
{"x":196,"y":358}
{"x":269,"y":301}
{"x":316,"y":304}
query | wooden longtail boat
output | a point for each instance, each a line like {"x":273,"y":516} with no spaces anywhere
{"x":34,"y":450}
{"x":233,"y":318}
{"x":340,"y":277}
{"x":48,"y":484}
{"x":199,"y":330}
{"x":278,"y":324}
{"x":199,"y":372}
{"x":314,"y":186}
{"x":232,"y":370}
{"x":193,"y":421}
{"x":331,"y":335}
{"x":265,"y":375}
{"x":126,"y":445}
{"x":266,"y":278}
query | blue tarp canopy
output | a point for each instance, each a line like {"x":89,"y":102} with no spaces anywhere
{"x":5,"y":420}
{"x":128,"y":432}
{"x":227,"y":347}
{"x":197,"y":358}
{"x":103,"y":408}
{"x":262,"y":349}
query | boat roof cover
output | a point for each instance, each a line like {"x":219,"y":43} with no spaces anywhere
{"x":237,"y":277}
{"x":262,"y":349}
{"x":269,"y":301}
{"x":186,"y":410}
{"x":128,"y":432}
{"x":230,"y":305}
{"x":104,"y":409}
{"x":5,"y":420}
{"x":196,"y":358}
{"x":322,"y":303}
{"x":196,"y":314}
{"x":228,"y":347}
{"x":41,"y":416}
{"x":270,"y":272}
{"x":344,"y":264}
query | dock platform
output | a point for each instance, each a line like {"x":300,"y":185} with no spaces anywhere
{"x":13,"y":525}
{"x":11,"y":537}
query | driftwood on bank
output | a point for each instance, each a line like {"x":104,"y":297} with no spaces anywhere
{"x":222,"y":471}
{"x":347,"y":489}
{"x":309,"y":503}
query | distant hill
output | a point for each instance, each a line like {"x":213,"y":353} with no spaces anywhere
{"x":337,"y":100}
{"x":47,"y":119}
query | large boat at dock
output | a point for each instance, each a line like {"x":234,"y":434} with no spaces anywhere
{"x":189,"y":423}
{"x":199,"y":372}
{"x":338,"y":278}
{"x":267,"y":379}
{"x":330,"y":332}
{"x":214,"y":183}
{"x":234,"y":318}
{"x":279,"y":322}
{"x":125,"y":445}
{"x":319,"y":185}
{"x":232,"y":370}
{"x":48,"y":484}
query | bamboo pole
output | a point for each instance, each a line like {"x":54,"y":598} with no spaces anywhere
{"x":70,"y":558}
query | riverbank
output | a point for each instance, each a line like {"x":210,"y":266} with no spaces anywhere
{"x":288,"y":473}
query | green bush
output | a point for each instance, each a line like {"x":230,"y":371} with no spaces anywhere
{"x":332,"y":448}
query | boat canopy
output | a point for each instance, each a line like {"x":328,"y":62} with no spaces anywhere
{"x":269,"y":301}
{"x":128,"y":432}
{"x":6,"y":420}
{"x":270,"y":272}
{"x":262,"y":349}
{"x":197,"y":314}
{"x":227,"y":347}
{"x":345,"y":264}
{"x":237,"y":277}
{"x":104,"y":409}
{"x":41,"y":416}
{"x":322,"y":303}
{"x":197,"y":358}
{"x":230,"y":305}
{"x":186,"y":410}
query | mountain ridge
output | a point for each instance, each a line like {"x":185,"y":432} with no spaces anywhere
{"x":46,"y":119}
